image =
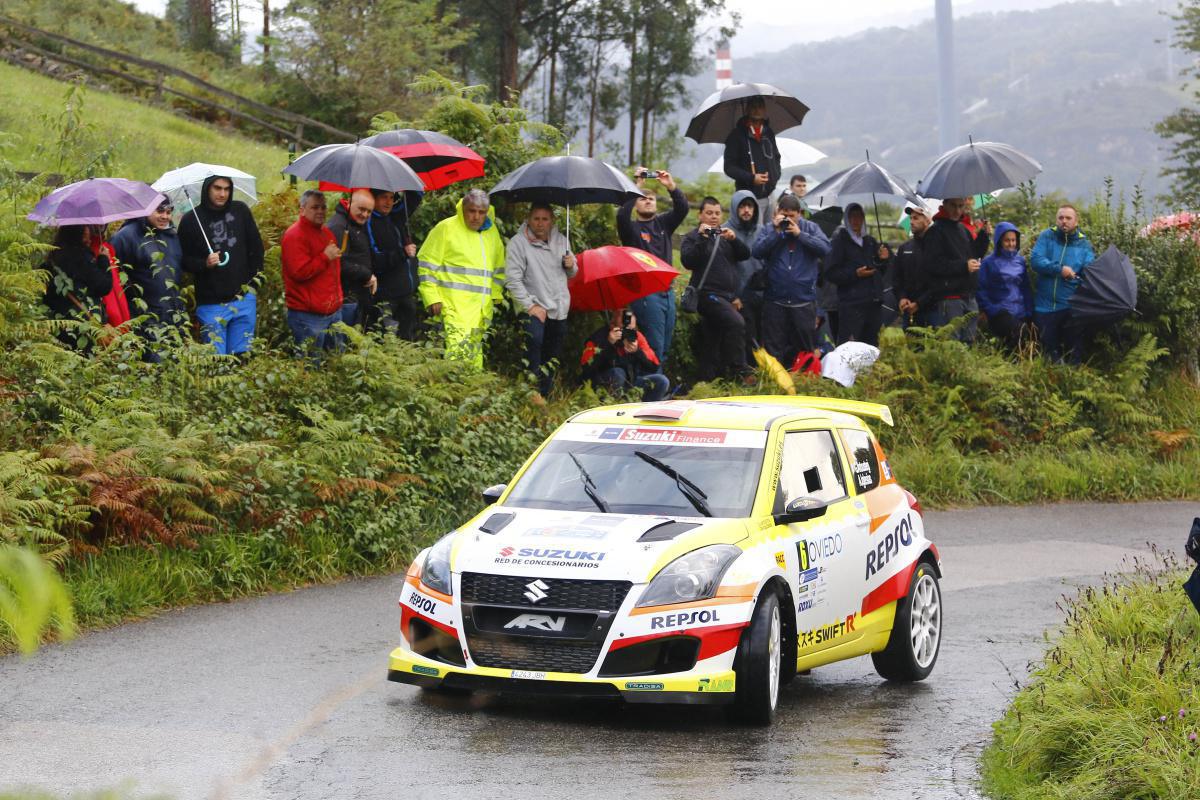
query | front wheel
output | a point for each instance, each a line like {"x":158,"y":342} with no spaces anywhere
{"x":758,"y":663}
{"x":912,"y":649}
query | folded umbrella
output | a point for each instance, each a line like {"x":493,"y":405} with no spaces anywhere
{"x":977,"y":168}
{"x":720,"y":111}
{"x":437,"y":159}
{"x":1107,"y":290}
{"x":342,"y":167}
{"x":612,"y":277}
{"x":96,"y":201}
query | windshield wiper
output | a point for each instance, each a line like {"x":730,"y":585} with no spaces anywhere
{"x":589,"y":486}
{"x":691,"y":491}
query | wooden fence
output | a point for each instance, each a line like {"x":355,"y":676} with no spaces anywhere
{"x":19,"y":38}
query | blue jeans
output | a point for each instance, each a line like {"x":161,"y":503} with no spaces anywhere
{"x":312,"y":330}
{"x":543,"y":346}
{"x":229,"y":327}
{"x":654,"y":387}
{"x":943,"y":312}
{"x":656,"y":320}
{"x":349,"y":314}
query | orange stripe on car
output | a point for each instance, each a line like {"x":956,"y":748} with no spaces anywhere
{"x":416,"y":582}
{"x":725,"y":595}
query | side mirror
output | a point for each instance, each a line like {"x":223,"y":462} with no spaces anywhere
{"x":492,"y":493}
{"x":802,"y":509}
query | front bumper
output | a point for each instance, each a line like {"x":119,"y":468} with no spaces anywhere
{"x":694,"y":687}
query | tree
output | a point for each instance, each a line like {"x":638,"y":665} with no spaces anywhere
{"x":1182,"y":128}
{"x":343,"y":61}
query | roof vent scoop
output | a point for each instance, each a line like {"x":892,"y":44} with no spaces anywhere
{"x":668,"y":411}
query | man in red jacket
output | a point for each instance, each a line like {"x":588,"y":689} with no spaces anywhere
{"x":312,"y":275}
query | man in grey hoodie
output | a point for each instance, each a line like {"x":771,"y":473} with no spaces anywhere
{"x":538,"y":264}
{"x":744,"y":219}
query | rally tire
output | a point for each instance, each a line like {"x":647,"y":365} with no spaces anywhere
{"x":916,"y":639}
{"x":758,"y":663}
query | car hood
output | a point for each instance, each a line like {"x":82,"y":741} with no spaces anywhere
{"x":572,"y":544}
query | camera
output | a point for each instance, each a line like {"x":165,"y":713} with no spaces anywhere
{"x":783,"y":224}
{"x":649,"y":173}
{"x":628,"y":332}
{"x":709,"y":230}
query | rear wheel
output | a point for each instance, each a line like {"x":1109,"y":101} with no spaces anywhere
{"x":758,"y":663}
{"x":916,"y":638}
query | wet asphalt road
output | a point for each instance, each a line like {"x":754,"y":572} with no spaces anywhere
{"x":285,"y":696}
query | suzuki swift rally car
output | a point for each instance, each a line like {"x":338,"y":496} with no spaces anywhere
{"x":687,"y":552}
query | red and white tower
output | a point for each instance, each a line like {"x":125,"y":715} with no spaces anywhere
{"x":724,"y":66}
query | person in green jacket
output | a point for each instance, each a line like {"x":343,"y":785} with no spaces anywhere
{"x":1058,"y":258}
{"x":461,"y":272}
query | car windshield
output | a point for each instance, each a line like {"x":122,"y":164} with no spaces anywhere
{"x":574,"y":475}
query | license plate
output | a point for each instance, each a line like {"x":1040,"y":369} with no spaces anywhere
{"x":529,"y":676}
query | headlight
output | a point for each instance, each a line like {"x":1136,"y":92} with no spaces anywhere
{"x":435,"y":572}
{"x":693,"y":576}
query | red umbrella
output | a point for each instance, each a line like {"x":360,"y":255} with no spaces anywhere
{"x":438,"y":159}
{"x":612,"y":277}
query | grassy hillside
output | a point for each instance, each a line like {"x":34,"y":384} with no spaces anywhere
{"x":144,"y":141}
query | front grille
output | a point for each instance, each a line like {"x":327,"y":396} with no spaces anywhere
{"x":509,"y":590}
{"x":542,"y":655}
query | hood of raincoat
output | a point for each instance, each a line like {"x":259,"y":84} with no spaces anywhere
{"x":1001,"y":229}
{"x":857,"y":237}
{"x":734,"y":220}
{"x":487,"y":223}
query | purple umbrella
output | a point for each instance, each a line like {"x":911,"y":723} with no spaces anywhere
{"x":96,"y":201}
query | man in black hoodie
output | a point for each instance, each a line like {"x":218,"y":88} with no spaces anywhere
{"x":224,"y":251}
{"x":751,"y":155}
{"x":349,"y":226}
{"x":394,"y":264}
{"x":712,"y":253}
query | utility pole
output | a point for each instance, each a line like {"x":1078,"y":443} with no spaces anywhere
{"x":947,"y":103}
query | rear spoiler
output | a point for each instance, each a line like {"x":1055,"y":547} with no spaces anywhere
{"x":855,"y":407}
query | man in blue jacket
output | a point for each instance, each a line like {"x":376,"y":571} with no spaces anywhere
{"x":1059,"y":257}
{"x":150,"y":248}
{"x":789,"y":249}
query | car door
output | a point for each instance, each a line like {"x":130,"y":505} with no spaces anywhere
{"x":825,"y":552}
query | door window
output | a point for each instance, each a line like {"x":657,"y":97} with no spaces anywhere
{"x":864,"y":463}
{"x":811,"y":468}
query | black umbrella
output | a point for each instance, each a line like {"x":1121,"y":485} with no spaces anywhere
{"x":1107,"y":290}
{"x":351,"y":166}
{"x":566,"y":181}
{"x":721,"y":110}
{"x":865,"y":177}
{"x":977,"y":168}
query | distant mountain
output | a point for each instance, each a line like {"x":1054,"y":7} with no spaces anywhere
{"x":1076,"y":86}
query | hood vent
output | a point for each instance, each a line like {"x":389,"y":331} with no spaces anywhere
{"x":665,"y":531}
{"x":497,"y":522}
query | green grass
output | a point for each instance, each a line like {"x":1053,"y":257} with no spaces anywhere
{"x":147,"y":140}
{"x":1114,"y":712}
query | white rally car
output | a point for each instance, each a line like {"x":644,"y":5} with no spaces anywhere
{"x":682,"y":552}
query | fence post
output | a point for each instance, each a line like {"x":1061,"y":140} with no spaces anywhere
{"x":292,"y":157}
{"x":158,"y":87}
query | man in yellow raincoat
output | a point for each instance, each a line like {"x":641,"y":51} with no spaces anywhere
{"x":462,"y":275}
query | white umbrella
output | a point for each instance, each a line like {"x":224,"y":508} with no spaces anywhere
{"x":792,"y":153}
{"x":183,"y":185}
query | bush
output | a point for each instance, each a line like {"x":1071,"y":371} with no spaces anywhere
{"x":1112,"y":712}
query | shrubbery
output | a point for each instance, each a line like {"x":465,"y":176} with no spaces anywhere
{"x":1112,"y":713}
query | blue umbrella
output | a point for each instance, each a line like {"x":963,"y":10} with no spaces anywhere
{"x":96,"y":201}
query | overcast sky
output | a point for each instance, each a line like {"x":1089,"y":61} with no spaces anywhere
{"x":765,"y":25}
